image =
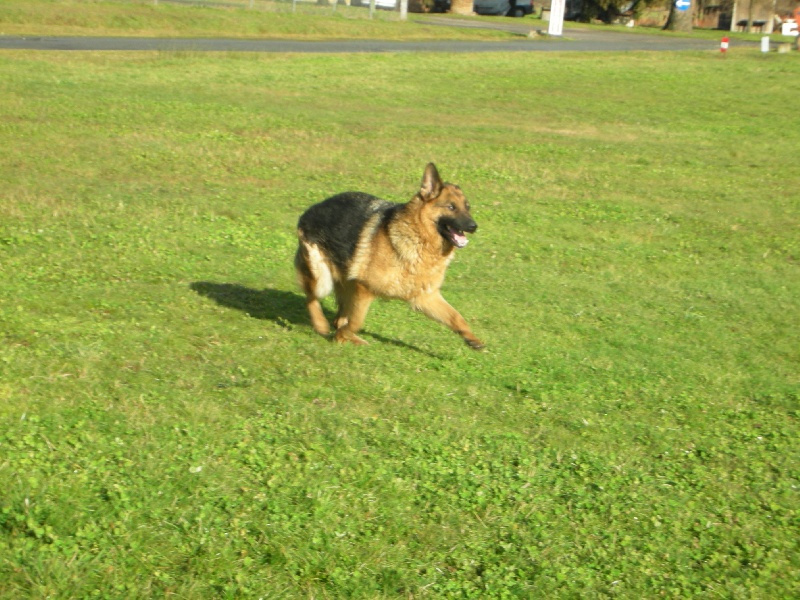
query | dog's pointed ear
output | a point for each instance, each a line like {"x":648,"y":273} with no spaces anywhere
{"x":431,"y":183}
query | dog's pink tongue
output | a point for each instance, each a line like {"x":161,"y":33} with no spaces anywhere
{"x":460,"y":239}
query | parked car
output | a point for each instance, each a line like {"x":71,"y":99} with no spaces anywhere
{"x":511,"y":8}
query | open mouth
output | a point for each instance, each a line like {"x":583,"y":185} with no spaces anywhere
{"x":457,"y":237}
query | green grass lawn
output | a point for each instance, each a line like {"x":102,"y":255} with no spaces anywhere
{"x":267,"y":20}
{"x":170,"y":426}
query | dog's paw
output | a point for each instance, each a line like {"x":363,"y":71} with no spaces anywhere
{"x":343,"y":336}
{"x":475,"y":344}
{"x":358,"y":341}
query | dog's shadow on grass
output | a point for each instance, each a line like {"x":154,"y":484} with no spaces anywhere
{"x":284,"y":308}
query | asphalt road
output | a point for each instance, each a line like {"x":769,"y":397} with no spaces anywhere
{"x":577,"y":40}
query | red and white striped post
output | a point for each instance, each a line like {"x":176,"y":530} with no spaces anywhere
{"x":723,"y":46}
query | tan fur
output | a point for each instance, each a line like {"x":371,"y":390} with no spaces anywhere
{"x":404,"y":259}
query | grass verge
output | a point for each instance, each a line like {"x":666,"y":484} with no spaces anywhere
{"x":266,"y":19}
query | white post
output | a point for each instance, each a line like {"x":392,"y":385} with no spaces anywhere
{"x":371,"y":8}
{"x":403,"y":10}
{"x":556,"y":26}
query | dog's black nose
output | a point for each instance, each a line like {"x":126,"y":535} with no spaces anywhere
{"x":470,"y":226}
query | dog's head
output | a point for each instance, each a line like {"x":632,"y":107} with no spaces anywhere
{"x":446,"y":206}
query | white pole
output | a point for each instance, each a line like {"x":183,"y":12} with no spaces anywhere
{"x":556,"y":26}
{"x":403,"y":10}
{"x":371,"y":8}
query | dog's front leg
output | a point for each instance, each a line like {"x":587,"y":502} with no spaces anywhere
{"x":437,"y":308}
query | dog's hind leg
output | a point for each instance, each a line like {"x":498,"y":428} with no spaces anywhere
{"x":359,"y":299}
{"x":344,"y":300}
{"x":315,"y":280}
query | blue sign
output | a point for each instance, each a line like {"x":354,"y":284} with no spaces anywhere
{"x":683,"y":5}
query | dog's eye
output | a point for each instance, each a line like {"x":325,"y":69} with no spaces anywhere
{"x":452,"y":207}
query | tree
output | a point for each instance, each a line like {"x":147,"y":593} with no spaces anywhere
{"x":461,"y":7}
{"x":680,"y":16}
{"x":609,"y":11}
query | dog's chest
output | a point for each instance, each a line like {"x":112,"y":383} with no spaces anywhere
{"x":401,"y":265}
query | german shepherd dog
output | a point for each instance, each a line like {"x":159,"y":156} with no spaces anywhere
{"x":361,"y":247}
